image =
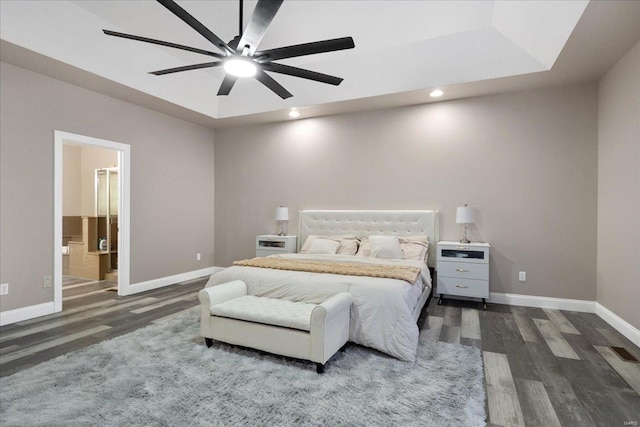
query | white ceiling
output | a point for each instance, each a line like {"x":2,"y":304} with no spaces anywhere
{"x":401,"y":46}
{"x":450,"y":40}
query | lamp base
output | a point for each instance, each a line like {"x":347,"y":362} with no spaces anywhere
{"x":282,"y":228}
{"x":464,"y":239}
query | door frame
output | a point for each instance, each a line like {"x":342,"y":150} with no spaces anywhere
{"x":124,"y":214}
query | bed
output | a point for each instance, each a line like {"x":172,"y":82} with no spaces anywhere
{"x":385,"y":310}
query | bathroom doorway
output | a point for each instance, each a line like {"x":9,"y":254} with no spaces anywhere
{"x":91,"y":218}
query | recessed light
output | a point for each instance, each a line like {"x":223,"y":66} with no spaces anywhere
{"x":294,"y":113}
{"x":436,"y":93}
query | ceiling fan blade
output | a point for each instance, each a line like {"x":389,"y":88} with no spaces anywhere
{"x":269,"y":82}
{"x":163,"y":43}
{"x":195,"y":24}
{"x":300,"y":72}
{"x":262,"y":16}
{"x":306,"y":49}
{"x":186,"y":68}
{"x":227,"y":84}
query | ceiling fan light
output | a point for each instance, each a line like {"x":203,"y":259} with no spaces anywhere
{"x":240,"y":67}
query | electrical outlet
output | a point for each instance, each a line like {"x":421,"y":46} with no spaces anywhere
{"x":4,"y":289}
{"x":46,"y":282}
{"x":522,"y":276}
{"x":198,"y":256}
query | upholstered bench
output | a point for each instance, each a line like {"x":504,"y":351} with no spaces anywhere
{"x":312,"y":332}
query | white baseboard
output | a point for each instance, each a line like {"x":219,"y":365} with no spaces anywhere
{"x":621,"y":325}
{"x":25,"y":313}
{"x":170,"y":280}
{"x":543,"y":302}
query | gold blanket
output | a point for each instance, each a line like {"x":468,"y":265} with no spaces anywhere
{"x":401,"y":272}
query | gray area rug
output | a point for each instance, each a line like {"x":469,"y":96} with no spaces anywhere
{"x":165,"y":375}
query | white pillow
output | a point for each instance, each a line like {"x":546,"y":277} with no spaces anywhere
{"x":387,"y":247}
{"x":413,"y":247}
{"x":323,"y":246}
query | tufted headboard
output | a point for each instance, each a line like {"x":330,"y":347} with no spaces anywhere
{"x":365,"y":223}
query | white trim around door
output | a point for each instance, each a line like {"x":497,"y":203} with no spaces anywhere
{"x":124,"y":214}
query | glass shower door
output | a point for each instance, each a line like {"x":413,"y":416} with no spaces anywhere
{"x":112,"y":233}
{"x":107,"y":213}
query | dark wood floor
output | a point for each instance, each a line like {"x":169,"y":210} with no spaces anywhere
{"x":542,"y":367}
{"x":92,"y":312}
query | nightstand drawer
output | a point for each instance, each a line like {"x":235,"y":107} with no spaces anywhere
{"x":463,"y":287}
{"x":263,"y":253}
{"x":462,"y":252}
{"x":271,"y":244}
{"x":463,"y":270}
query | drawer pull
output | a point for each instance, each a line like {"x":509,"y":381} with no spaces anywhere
{"x":462,"y":286}
{"x":462,"y":270}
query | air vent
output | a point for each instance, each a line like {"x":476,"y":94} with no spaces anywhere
{"x":624,"y":354}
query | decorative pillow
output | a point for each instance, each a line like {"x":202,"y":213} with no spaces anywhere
{"x":414,"y":247}
{"x":387,"y":247}
{"x":348,"y":243}
{"x":323,"y":246}
{"x":365,"y":248}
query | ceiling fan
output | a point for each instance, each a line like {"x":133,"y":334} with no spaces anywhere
{"x":240,"y":57}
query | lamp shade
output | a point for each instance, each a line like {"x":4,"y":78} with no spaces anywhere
{"x":465,"y":215}
{"x":282,"y":214}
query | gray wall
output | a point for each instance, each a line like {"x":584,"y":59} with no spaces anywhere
{"x":71,"y":180}
{"x":618,"y":280}
{"x":172,"y":181}
{"x":527,"y":161}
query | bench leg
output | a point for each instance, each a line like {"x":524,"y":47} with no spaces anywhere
{"x":208,"y":342}
{"x":319,"y":368}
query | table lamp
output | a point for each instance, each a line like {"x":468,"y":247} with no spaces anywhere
{"x":282,"y":216}
{"x":465,"y":215}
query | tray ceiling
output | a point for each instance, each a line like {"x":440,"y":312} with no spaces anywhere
{"x":400,"y":45}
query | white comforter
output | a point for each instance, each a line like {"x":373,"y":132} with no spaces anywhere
{"x":381,"y":314}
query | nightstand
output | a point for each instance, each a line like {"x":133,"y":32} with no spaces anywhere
{"x":463,"y":270}
{"x":271,"y":244}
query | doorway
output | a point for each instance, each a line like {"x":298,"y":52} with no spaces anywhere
{"x":106,"y":230}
